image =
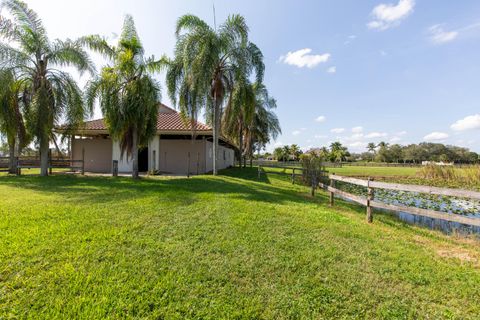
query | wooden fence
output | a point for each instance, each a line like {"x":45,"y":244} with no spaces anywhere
{"x":74,"y":165}
{"x":369,"y":201}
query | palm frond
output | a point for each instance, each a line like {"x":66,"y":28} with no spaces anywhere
{"x":71,"y":53}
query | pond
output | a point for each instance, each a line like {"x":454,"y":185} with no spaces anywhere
{"x":459,"y":206}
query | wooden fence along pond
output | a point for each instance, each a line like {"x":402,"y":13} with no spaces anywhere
{"x":369,"y":201}
{"x":368,"y":198}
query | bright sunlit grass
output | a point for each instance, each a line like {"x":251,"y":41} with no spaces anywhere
{"x":230,"y":246}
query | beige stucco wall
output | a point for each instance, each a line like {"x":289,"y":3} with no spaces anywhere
{"x":173,"y":156}
{"x":98,"y":153}
{"x":154,"y":154}
{"x":125,"y":164}
{"x":226,"y":157}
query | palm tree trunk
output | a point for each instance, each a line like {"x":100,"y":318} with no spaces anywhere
{"x":135,"y":153}
{"x":44,"y":156}
{"x":240,"y":145}
{"x":11,"y":153}
{"x":216,"y":127}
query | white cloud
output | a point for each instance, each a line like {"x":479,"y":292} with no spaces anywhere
{"x":467,"y":123}
{"x":395,"y":139}
{"x":357,"y":129}
{"x":435,"y":136}
{"x":332,"y":69}
{"x":320,"y":136}
{"x":320,"y":119}
{"x":389,"y":15}
{"x":350,"y":38}
{"x":296,"y":132}
{"x":440,"y":36}
{"x":372,"y":135}
{"x":302,"y":58}
{"x":337,"y":130}
{"x":401,"y":133}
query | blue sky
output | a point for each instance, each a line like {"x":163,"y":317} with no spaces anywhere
{"x":400,"y":71}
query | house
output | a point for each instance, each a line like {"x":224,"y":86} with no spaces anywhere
{"x":173,"y":150}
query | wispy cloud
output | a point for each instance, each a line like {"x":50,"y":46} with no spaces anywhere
{"x":296,"y":132}
{"x":337,"y":130}
{"x":373,"y":135}
{"x":435,"y":136}
{"x":320,"y":119}
{"x":350,"y":38}
{"x":358,"y":129}
{"x":440,"y":36}
{"x":332,"y":69}
{"x":467,"y":123}
{"x":385,"y":16}
{"x":302,"y":58}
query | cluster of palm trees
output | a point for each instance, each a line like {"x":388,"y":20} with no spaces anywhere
{"x":288,"y":153}
{"x":218,"y":71}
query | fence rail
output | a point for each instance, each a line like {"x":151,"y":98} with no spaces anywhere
{"x":370,"y":203}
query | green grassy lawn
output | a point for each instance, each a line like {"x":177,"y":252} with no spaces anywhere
{"x":208,"y":247}
{"x":374,"y":171}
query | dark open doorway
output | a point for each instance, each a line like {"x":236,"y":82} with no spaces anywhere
{"x":143,"y":160}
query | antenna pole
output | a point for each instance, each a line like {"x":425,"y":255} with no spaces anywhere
{"x":214,"y":17}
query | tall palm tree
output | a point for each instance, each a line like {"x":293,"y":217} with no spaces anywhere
{"x":239,"y":112}
{"x":371,"y":147}
{"x":207,"y":64}
{"x":264,"y":124}
{"x":295,"y":151}
{"x":12,"y":124}
{"x":127,"y":93}
{"x":50,"y":94}
{"x":337,"y":151}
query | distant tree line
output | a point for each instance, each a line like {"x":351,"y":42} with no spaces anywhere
{"x":383,"y":152}
{"x":416,"y":153}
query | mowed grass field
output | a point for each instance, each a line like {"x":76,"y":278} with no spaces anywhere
{"x":208,"y":247}
{"x":375,"y":171}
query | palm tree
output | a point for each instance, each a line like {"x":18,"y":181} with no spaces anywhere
{"x":295,"y":151}
{"x":207,"y":64}
{"x":371,"y":147}
{"x":12,"y":124}
{"x":337,"y":151}
{"x":249,"y":118}
{"x":127,"y":93}
{"x":50,"y":94}
{"x":264,"y":124}
{"x":239,"y":112}
{"x":383,"y":144}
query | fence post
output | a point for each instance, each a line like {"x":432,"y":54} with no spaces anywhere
{"x":370,"y":196}
{"x":332,"y":195}
{"x":259,"y":169}
{"x":50,"y":161}
{"x":293,"y":176}
{"x":198,"y":163}
{"x":314,"y":179}
{"x":115,"y":168}
{"x":83,"y":161}
{"x":18,"y":170}
{"x":188,"y":170}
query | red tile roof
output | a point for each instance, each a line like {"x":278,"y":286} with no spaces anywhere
{"x":168,"y":120}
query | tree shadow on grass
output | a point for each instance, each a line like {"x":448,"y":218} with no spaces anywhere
{"x":233,"y":184}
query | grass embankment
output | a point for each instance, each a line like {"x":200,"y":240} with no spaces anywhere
{"x":218,"y":247}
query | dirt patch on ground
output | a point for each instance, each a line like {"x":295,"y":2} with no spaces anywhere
{"x":461,"y":254}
